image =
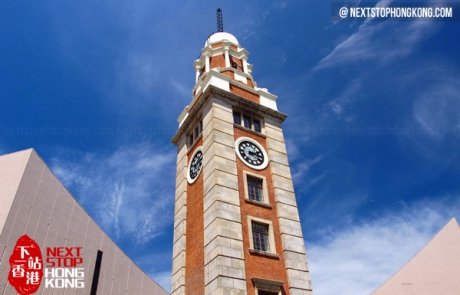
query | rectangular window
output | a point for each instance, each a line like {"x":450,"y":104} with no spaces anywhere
{"x":255,"y":189}
{"x":256,"y":124}
{"x":260,"y":236}
{"x":237,"y":118}
{"x":194,"y":134}
{"x":247,"y":121}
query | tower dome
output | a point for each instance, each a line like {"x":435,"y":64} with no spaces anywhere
{"x":221,"y":36}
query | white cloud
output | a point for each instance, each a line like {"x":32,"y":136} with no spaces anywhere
{"x":340,"y":106}
{"x":247,"y":33}
{"x":380,"y":42}
{"x":141,"y":70}
{"x":282,"y":5}
{"x":182,"y":89}
{"x":127,"y":192}
{"x":163,"y":279}
{"x":437,"y":109}
{"x":336,"y":107}
{"x":300,"y":169}
{"x":358,"y":259}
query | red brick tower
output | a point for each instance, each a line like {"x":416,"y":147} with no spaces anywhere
{"x":236,"y":225}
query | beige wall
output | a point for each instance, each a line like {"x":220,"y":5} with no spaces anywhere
{"x":435,"y":270}
{"x":11,"y":169}
{"x":40,"y":206}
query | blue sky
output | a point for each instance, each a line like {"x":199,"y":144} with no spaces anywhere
{"x":373,"y":132}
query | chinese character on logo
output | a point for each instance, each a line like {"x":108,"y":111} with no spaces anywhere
{"x":18,"y":271}
{"x":26,"y":266}
{"x":32,"y":278}
{"x":34,"y":264}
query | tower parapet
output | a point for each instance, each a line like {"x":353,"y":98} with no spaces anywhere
{"x":223,"y":64}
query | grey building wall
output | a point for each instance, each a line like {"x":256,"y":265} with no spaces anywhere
{"x":34,"y":202}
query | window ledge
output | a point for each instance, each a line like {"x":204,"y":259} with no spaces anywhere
{"x":249,"y":130}
{"x":267,"y":282}
{"x":263,"y":253}
{"x":258,"y":203}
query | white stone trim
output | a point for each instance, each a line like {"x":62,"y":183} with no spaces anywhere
{"x":227,"y":58}
{"x":245,"y":65}
{"x":223,"y":233}
{"x":207,"y":64}
{"x":240,"y":78}
{"x":216,"y":79}
{"x":267,"y":99}
{"x":183,"y":116}
{"x":197,"y":74}
{"x":267,"y":285}
{"x":250,"y":70}
{"x":180,"y":214}
{"x":290,"y":228}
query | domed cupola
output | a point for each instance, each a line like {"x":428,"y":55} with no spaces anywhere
{"x":222,"y":53}
{"x":223,"y":64}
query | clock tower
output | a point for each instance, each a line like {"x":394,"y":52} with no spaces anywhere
{"x":236,"y":224}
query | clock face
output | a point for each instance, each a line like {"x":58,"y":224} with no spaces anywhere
{"x":195,"y":163}
{"x":251,"y":153}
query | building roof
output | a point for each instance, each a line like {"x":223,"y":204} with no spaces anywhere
{"x":33,"y":202}
{"x":434,"y":270}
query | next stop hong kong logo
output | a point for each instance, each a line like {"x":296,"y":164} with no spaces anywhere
{"x":59,"y":270}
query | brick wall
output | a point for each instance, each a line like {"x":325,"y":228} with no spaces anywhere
{"x":272,"y":268}
{"x":194,"y":267}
